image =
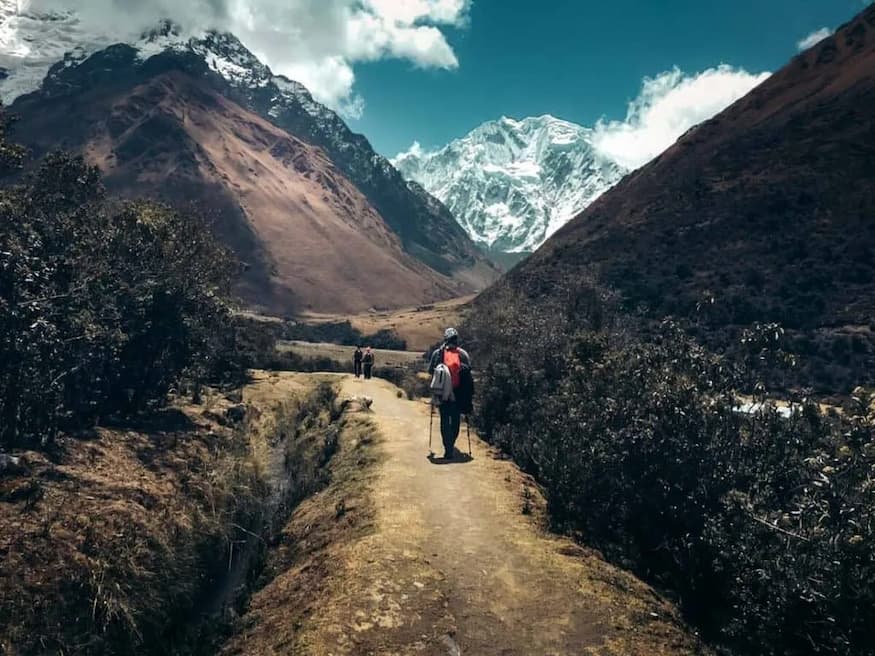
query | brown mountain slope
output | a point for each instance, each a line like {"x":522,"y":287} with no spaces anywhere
{"x":769,"y":209}
{"x":311,"y":239}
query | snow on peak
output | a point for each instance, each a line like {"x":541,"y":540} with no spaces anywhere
{"x":513,"y":183}
{"x":32,"y":42}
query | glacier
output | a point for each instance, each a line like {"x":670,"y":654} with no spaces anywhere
{"x":512,"y":183}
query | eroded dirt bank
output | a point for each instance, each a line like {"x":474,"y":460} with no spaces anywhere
{"x":141,"y":538}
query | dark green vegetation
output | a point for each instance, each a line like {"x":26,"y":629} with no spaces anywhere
{"x":506,"y":261}
{"x":104,"y":306}
{"x":762,"y":526}
{"x":342,"y":332}
{"x":414,"y":384}
{"x":257,"y":347}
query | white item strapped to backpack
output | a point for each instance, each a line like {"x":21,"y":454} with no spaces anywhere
{"x":441,"y":385}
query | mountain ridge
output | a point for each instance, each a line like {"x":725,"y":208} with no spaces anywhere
{"x":424,"y":229}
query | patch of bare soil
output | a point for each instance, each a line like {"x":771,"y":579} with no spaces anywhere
{"x":406,"y":555}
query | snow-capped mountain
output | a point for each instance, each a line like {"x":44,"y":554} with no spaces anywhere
{"x":512,"y":184}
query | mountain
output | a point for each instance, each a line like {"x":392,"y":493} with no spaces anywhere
{"x":321,"y":220}
{"x":511,"y":184}
{"x":762,"y":214}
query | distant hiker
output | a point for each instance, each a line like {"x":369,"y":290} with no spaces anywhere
{"x":368,"y":362}
{"x":452,"y":387}
{"x":357,"y":361}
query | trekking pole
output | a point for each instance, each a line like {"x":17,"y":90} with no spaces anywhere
{"x":430,"y":424}
{"x":468,"y":426}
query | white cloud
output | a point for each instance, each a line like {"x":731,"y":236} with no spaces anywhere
{"x":415,"y":152}
{"x":814,"y":38}
{"x":410,"y":12}
{"x":316,"y":42}
{"x":667,"y":106}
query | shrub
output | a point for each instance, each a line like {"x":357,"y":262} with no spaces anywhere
{"x":414,"y":386}
{"x":342,"y":332}
{"x":761,"y":525}
{"x":103,"y":306}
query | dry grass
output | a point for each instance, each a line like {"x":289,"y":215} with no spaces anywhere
{"x":108,"y":544}
{"x":310,"y":545}
{"x":420,"y":326}
{"x":117,"y":532}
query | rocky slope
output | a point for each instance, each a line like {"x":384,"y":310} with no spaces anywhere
{"x":764,"y":213}
{"x":511,"y":184}
{"x":202,"y":120}
{"x":311,"y":239}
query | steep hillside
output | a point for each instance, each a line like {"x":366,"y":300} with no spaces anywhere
{"x":433,"y":257}
{"x":311,"y":239}
{"x":767,"y":209}
{"x":57,"y":43}
{"x":511,"y":184}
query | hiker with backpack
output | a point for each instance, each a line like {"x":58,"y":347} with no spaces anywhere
{"x":368,"y":362}
{"x":452,"y":388}
{"x":357,"y":361}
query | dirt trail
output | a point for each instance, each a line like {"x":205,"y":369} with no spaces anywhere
{"x":454,"y":566}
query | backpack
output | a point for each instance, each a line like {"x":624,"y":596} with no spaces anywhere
{"x":441,"y":385}
{"x":453,"y":360}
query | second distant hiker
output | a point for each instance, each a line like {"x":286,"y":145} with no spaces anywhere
{"x":357,"y":361}
{"x":368,"y":362}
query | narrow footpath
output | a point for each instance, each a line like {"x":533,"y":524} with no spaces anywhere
{"x":458,"y":563}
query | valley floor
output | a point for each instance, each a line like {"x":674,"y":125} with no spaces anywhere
{"x":420,"y":326}
{"x":445,"y":558}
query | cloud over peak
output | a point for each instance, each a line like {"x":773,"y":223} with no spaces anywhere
{"x":316,"y":42}
{"x":814,"y":38}
{"x":667,"y":106}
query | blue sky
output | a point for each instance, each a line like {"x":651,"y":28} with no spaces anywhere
{"x":577,"y":60}
{"x":428,"y":71}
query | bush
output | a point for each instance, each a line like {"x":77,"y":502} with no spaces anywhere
{"x":414,"y":386}
{"x":342,"y":332}
{"x":103,"y":306}
{"x":385,"y":339}
{"x":761,"y":525}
